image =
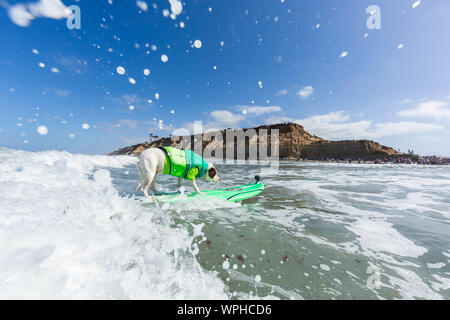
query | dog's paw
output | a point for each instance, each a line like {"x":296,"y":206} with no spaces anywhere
{"x":151,"y":199}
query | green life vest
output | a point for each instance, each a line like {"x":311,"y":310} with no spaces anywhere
{"x":178,"y":162}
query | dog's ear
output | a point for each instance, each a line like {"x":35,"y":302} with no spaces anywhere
{"x":212,"y":172}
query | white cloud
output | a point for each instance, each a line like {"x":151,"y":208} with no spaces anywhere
{"x":183,"y":132}
{"x":53,"y":9}
{"x":259,"y":110}
{"x":19,"y":15}
{"x":222,"y":119}
{"x":279,"y":119}
{"x":406,"y":101}
{"x":225,"y":118}
{"x":337,"y":125}
{"x":126,"y":125}
{"x":305,"y":92}
{"x":62,"y":92}
{"x":281,"y":92}
{"x":133,"y":140}
{"x":124,"y":101}
{"x":131,"y":98}
{"x":22,"y":14}
{"x":399,"y":128}
{"x":189,"y":128}
{"x":328,"y":118}
{"x":334,"y":125}
{"x":431,"y":109}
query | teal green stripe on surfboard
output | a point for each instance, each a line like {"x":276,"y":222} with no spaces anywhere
{"x":233,"y":194}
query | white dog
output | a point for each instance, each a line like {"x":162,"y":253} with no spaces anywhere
{"x":176,"y":162}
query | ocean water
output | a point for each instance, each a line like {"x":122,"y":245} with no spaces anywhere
{"x":73,"y":227}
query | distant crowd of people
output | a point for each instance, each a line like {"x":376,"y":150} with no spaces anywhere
{"x":428,"y":160}
{"x":434,"y":160}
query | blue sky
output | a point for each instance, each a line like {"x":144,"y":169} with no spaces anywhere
{"x":312,"y":62}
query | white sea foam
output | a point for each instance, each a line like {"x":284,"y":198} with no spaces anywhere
{"x":411,"y":286}
{"x":66,"y":233}
{"x":378,"y":206}
{"x":380,"y":236}
{"x":96,"y":244}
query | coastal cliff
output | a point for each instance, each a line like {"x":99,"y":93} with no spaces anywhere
{"x":295,"y":144}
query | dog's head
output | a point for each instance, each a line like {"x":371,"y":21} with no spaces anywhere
{"x":211,"y":174}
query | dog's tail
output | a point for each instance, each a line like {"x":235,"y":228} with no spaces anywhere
{"x":141,"y":176}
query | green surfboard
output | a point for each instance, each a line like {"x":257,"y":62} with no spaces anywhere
{"x":233,"y":194}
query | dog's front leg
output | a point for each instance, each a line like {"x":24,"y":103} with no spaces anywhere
{"x":179,"y":183}
{"x":196,"y":188}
